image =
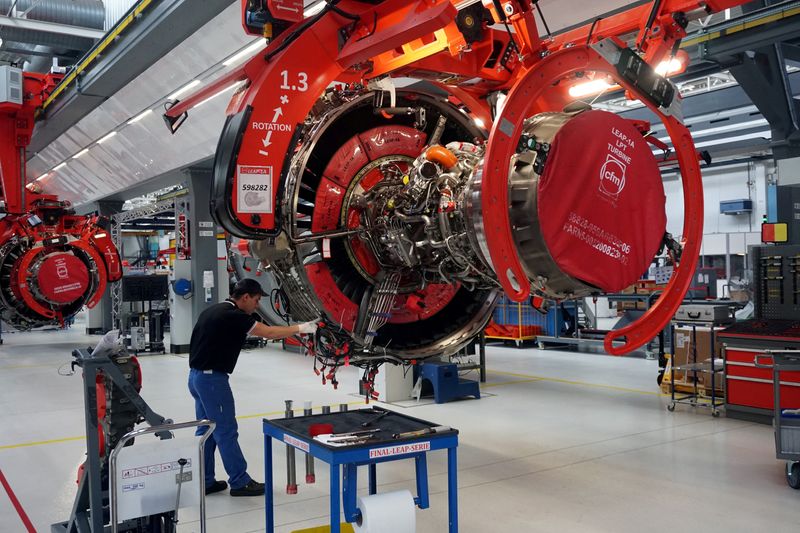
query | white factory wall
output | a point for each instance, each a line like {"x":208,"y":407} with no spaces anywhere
{"x":723,"y":233}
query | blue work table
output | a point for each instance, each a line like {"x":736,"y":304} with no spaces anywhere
{"x":345,"y":460}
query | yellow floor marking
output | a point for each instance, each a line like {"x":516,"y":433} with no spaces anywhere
{"x":574,"y":382}
{"x":71,"y":439}
{"x":15,"y":367}
{"x":503,"y":383}
{"x":41,"y":442}
{"x":526,"y":378}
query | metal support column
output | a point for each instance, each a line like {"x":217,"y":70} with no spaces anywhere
{"x":98,"y":319}
{"x":202,"y":238}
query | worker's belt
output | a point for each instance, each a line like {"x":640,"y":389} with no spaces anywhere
{"x":210,"y":371}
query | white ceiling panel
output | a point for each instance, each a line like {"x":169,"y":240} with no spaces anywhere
{"x":146,"y":149}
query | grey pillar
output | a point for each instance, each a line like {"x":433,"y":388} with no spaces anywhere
{"x":98,"y":319}
{"x":202,"y":237}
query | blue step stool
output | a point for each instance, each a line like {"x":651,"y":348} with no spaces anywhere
{"x":447,"y":386}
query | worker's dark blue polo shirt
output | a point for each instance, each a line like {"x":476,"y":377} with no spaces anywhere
{"x":218,"y":337}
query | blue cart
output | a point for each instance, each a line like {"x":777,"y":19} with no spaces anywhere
{"x":345,"y":460}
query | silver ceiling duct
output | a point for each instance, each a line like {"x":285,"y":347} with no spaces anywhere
{"x":80,"y":13}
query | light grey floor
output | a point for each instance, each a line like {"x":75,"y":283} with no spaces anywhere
{"x":562,"y":442}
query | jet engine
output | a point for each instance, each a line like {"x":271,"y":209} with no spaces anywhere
{"x":384,"y":234}
{"x":52,"y":263}
{"x":397,"y":219}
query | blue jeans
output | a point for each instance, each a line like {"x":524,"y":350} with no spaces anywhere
{"x":213,"y":400}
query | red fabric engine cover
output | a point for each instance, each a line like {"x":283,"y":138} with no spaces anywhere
{"x":601,"y":201}
{"x":62,"y":278}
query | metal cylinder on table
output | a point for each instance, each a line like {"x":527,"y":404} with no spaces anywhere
{"x":310,"y":475}
{"x":291,"y":466}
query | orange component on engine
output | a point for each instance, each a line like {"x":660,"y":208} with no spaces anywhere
{"x":443,"y":156}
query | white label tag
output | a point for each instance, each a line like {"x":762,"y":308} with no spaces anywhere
{"x":326,"y":248}
{"x":254,"y":186}
{"x":681,"y":340}
{"x":401,"y":449}
{"x":297,"y":443}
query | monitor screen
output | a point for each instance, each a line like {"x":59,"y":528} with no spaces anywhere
{"x":145,"y":288}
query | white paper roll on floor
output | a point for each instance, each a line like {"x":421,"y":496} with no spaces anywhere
{"x":390,"y":512}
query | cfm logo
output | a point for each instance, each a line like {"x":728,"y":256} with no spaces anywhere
{"x":612,"y":176}
{"x":61,"y":269}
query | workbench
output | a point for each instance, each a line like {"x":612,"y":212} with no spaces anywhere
{"x":345,"y":460}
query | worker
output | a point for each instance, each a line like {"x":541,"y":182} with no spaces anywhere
{"x":217,"y":340}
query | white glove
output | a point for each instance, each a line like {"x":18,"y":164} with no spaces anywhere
{"x":308,"y":327}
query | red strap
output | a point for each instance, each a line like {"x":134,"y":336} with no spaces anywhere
{"x":15,"y":502}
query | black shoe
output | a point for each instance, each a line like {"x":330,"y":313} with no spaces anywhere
{"x":253,"y":488}
{"x":217,"y":486}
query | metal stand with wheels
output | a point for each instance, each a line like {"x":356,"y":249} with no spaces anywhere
{"x":112,"y":408}
{"x":787,"y":421}
{"x":713,"y":367}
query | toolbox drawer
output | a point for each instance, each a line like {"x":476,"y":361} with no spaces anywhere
{"x":750,"y":386}
{"x":754,"y":392}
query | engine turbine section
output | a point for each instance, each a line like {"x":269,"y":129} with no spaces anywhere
{"x":52,"y":263}
{"x":383,"y":227}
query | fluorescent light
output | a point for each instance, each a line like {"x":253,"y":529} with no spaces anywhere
{"x":107,"y":137}
{"x":766,"y":134}
{"x":140,"y":116}
{"x":59,"y":166}
{"x":721,"y":129}
{"x":478,"y":122}
{"x":589,"y":87}
{"x":218,"y":93}
{"x":188,"y":87}
{"x":43,"y":176}
{"x":82,"y":152}
{"x":313,"y":10}
{"x":245,"y":52}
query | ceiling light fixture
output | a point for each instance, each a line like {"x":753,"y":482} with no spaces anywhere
{"x":107,"y":137}
{"x":218,"y":93}
{"x":313,"y":10}
{"x":140,"y":116}
{"x":59,"y":166}
{"x":82,"y":152}
{"x":245,"y":52}
{"x":188,"y":87}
